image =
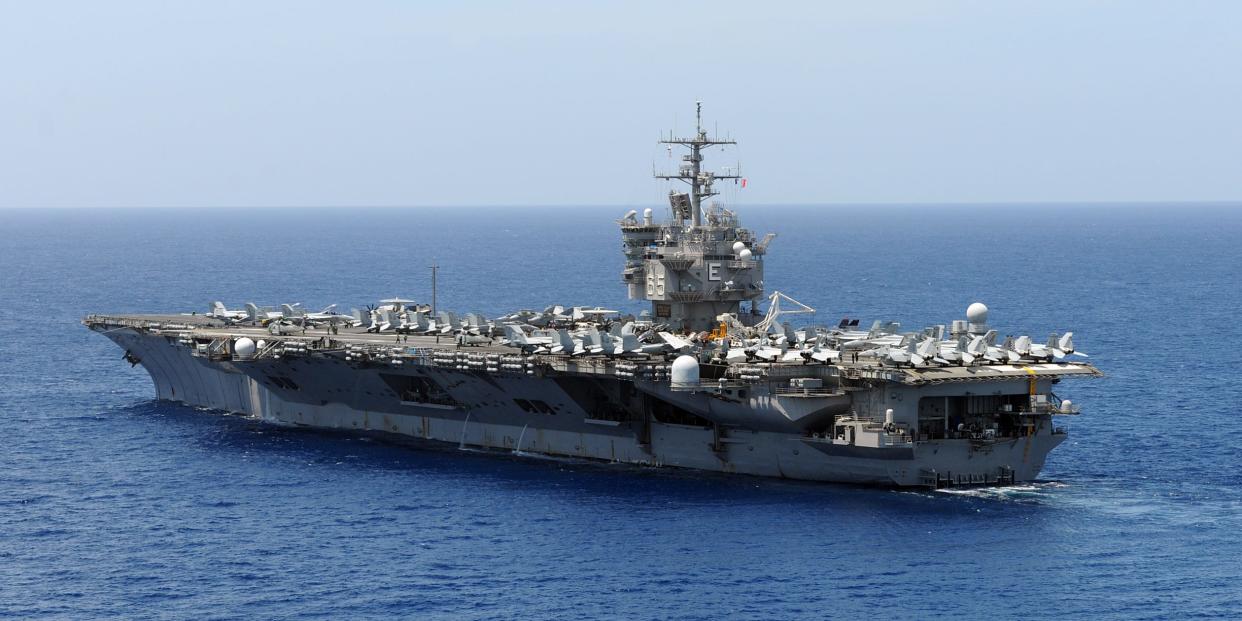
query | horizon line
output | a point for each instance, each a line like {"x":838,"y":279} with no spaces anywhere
{"x":1013,"y":203}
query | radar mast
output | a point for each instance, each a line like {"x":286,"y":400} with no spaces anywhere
{"x":691,"y":171}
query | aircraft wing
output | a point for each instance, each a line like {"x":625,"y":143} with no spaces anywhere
{"x":676,"y":342}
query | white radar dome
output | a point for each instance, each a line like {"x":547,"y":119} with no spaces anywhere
{"x":261,"y":345}
{"x":738,"y":246}
{"x":977,"y":313}
{"x":243,"y":347}
{"x":745,"y":254}
{"x":685,"y":371}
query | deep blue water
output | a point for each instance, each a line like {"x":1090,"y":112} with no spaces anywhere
{"x":115,"y":505}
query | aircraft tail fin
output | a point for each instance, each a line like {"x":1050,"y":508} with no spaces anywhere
{"x":420,"y":321}
{"x":515,"y":335}
{"x":593,"y":338}
{"x":629,"y":342}
{"x":1022,"y":344}
{"x":978,"y":346}
{"x":447,"y":319}
{"x":1066,"y":342}
{"x":566,"y":341}
{"x":990,"y":338}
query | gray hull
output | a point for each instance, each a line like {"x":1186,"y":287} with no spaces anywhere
{"x":559,"y":415}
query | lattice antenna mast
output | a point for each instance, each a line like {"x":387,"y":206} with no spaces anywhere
{"x":691,"y":171}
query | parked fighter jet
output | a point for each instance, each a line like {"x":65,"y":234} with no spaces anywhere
{"x":328,"y":316}
{"x":516,"y":337}
{"x":219,"y":311}
{"x":1027,"y":349}
{"x":1058,"y":346}
{"x":1064,"y":346}
{"x":676,"y":343}
{"x":628,"y":344}
{"x":821,"y":353}
{"x":261,"y":315}
{"x":764,"y":350}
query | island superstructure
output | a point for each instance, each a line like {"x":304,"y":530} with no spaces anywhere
{"x":702,"y":380}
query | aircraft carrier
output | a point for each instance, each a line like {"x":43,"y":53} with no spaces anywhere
{"x":705,"y":379}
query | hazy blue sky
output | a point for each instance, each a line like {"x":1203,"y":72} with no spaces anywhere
{"x":466,"y":103}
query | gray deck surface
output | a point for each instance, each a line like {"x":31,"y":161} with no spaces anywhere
{"x":214,"y":328}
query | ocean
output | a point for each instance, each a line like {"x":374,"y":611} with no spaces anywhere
{"x":115,"y":505}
